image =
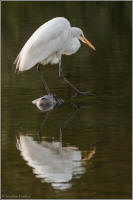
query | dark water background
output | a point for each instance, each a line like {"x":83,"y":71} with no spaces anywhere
{"x":104,"y":126}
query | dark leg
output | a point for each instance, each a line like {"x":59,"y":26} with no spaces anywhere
{"x":72,"y":86}
{"x":42,"y":78}
{"x":64,"y":125}
{"x":42,"y":126}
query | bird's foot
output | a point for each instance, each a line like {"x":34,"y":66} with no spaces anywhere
{"x":81,"y":93}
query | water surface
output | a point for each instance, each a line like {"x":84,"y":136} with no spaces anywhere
{"x":98,"y":133}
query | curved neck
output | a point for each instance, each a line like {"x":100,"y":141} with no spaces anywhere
{"x":74,"y":31}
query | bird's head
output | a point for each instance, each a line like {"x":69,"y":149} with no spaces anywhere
{"x":78,"y":33}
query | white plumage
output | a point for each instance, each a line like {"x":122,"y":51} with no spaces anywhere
{"x":52,"y":39}
{"x":49,"y":39}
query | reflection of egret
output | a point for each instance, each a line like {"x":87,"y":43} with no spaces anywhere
{"x":49,"y":163}
{"x":48,"y":43}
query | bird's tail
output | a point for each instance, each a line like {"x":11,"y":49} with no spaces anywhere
{"x":16,"y":62}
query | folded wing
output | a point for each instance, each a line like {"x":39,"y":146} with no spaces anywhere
{"x":44,"y":42}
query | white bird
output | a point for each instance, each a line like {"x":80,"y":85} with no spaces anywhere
{"x":47,"y":45}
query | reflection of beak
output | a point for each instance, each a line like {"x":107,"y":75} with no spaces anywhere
{"x":88,"y":43}
{"x":90,"y":155}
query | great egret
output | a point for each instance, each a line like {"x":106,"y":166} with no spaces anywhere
{"x":47,"y":44}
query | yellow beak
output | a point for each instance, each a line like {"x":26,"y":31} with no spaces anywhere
{"x":88,"y":43}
